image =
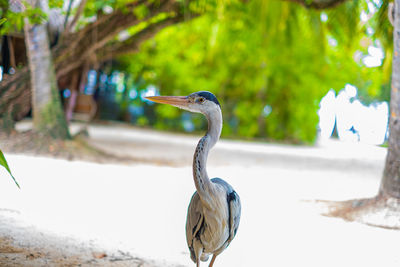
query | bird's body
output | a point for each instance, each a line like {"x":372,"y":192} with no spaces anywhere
{"x":209,"y":231}
{"x":214,"y":210}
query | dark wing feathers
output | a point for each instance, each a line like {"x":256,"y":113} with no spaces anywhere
{"x":235,"y":211}
{"x":194,"y":223}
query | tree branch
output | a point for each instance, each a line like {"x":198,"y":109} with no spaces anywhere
{"x":85,"y":37}
{"x":68,"y":13}
{"x":73,"y":40}
{"x":78,"y":14}
{"x":132,"y":44}
{"x":15,"y":94}
{"x":124,"y":21}
{"x":98,"y":37}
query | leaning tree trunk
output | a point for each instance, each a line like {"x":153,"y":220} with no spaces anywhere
{"x":382,"y":210}
{"x":390,"y":185}
{"x":48,"y":116}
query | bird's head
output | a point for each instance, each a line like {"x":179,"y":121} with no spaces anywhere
{"x":200,"y":102}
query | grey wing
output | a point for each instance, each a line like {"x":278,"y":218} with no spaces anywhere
{"x":234,"y":208}
{"x":194,"y":223}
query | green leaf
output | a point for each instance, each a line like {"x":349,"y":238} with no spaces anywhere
{"x":141,"y":11}
{"x":2,"y":20}
{"x":3,"y":162}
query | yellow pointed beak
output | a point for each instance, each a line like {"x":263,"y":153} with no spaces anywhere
{"x":177,"y":101}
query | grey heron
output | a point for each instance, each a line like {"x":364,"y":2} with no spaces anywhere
{"x":214,"y":210}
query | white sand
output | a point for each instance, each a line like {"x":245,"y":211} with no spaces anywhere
{"x":141,"y":208}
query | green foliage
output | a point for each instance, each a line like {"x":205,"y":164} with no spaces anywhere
{"x":56,"y":3}
{"x":14,"y":21}
{"x":269,"y":62}
{"x":95,"y":7}
{"x":3,"y":162}
{"x":141,"y":11}
{"x":262,"y":55}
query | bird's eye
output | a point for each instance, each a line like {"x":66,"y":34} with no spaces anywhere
{"x":201,"y":99}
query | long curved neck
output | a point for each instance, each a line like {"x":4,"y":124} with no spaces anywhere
{"x":203,"y":184}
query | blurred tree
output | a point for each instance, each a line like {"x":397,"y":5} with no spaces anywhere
{"x":269,"y":61}
{"x":48,"y":115}
{"x":384,"y":209}
{"x":97,"y":32}
{"x":390,"y":186}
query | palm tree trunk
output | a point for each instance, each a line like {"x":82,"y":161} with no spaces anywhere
{"x":48,"y":116}
{"x":391,"y":178}
{"x":384,"y":209}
